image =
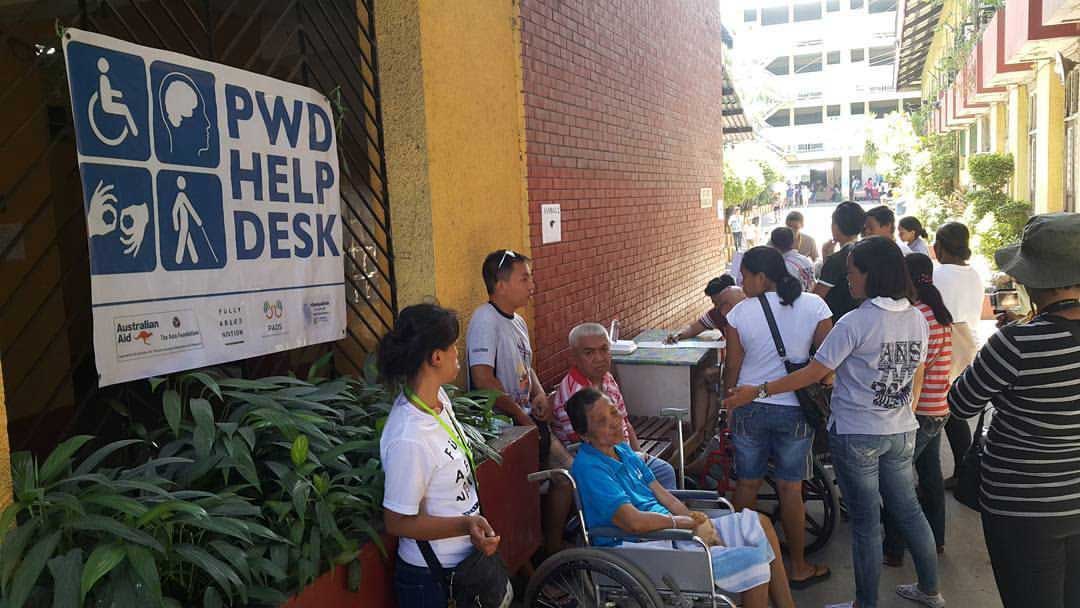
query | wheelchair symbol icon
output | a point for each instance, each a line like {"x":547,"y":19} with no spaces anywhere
{"x":111,"y":102}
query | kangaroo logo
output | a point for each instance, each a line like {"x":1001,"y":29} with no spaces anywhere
{"x":144,"y":336}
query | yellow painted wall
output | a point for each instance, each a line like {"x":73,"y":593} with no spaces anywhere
{"x":471,"y":59}
{"x":1017,"y":113}
{"x":454,"y":131}
{"x":1050,"y":149}
{"x":999,"y":125}
{"x":942,"y":41}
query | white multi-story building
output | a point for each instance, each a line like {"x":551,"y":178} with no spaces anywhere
{"x":820,"y":70}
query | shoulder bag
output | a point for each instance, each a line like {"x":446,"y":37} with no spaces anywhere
{"x":969,"y":470}
{"x":813,"y":399}
{"x":479,"y":581}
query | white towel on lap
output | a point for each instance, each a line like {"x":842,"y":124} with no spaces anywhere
{"x":743,"y":563}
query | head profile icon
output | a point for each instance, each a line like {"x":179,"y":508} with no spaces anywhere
{"x":184,"y":111}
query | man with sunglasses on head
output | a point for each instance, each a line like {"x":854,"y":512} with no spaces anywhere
{"x":500,"y":359}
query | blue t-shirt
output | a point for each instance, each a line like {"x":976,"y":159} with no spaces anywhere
{"x":605,"y":484}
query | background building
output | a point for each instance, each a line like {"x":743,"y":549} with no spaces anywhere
{"x":1003,"y":76}
{"x":821,"y":69}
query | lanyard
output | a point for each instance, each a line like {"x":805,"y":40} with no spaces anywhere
{"x":454,"y":436}
{"x":1059,"y":306}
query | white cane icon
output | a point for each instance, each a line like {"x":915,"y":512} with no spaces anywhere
{"x":183,"y":212}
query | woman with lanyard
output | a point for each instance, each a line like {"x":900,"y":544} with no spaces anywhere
{"x":430,"y":493}
{"x":1030,"y":466}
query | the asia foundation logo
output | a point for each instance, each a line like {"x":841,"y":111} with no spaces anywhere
{"x":274,"y":318}
{"x":231,"y":324}
{"x":156,"y":333}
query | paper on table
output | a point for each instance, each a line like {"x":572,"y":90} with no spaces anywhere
{"x":684,"y":344}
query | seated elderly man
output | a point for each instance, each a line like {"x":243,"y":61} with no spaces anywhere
{"x":618,"y":490}
{"x":591,"y":367}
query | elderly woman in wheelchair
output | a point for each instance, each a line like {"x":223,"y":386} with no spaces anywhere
{"x":651,"y":536}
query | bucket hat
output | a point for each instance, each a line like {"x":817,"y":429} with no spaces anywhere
{"x":1048,"y":255}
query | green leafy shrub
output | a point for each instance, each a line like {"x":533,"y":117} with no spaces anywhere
{"x":938,"y":175}
{"x":991,"y":171}
{"x":250,"y":490}
{"x":1008,"y":226}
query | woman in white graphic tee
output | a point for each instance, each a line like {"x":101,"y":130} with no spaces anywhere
{"x":429,"y":493}
{"x":877,"y":351}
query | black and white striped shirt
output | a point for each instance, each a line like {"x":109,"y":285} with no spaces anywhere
{"x":1030,"y":373}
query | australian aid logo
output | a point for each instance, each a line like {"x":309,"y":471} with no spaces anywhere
{"x":157,"y":334}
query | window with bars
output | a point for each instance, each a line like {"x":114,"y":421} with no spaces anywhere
{"x":1072,"y":139}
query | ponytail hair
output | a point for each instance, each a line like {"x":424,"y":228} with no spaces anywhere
{"x":912,"y":224}
{"x":768,"y":261}
{"x":921,"y":269}
{"x":954,"y":238}
{"x":420,"y":330}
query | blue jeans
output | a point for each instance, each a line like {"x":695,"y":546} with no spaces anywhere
{"x":763,"y":431}
{"x":415,"y":587}
{"x":931,"y":485}
{"x":871,"y":468}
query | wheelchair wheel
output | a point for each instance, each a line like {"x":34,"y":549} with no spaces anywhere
{"x":587,"y":578}
{"x":821,"y":511}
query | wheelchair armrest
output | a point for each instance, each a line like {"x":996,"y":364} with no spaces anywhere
{"x":694,"y":494}
{"x":665,"y":534}
{"x":704,"y":499}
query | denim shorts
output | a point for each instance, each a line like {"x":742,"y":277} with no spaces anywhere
{"x":763,"y":432}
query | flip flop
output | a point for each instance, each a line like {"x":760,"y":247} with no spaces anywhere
{"x":810,"y":581}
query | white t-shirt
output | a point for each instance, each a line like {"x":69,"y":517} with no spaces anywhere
{"x":800,"y":267}
{"x":502,"y":342}
{"x":796,"y":323}
{"x":736,"y":222}
{"x":961,"y":289}
{"x":426,"y":473}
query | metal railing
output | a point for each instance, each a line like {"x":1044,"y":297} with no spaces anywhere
{"x":46,"y":348}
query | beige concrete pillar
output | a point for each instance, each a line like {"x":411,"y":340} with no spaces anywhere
{"x":1050,"y":143}
{"x":1018,"y":140}
{"x":999,"y":125}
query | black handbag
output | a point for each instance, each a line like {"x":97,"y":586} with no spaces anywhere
{"x":478,"y":581}
{"x":969,"y":471}
{"x":814,"y":399}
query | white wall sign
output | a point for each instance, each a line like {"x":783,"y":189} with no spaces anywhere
{"x":706,"y":198}
{"x":213,"y":212}
{"x":551,"y":223}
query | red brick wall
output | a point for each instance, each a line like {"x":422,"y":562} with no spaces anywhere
{"x":622,"y":129}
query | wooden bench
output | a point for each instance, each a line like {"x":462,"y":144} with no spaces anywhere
{"x":656,"y":434}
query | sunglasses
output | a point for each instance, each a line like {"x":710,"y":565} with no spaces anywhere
{"x":506,"y":254}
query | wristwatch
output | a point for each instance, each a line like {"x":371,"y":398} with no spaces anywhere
{"x":762,"y":391}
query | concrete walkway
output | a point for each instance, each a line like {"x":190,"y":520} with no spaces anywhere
{"x":967,"y":580}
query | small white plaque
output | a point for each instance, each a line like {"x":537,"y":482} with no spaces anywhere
{"x":550,"y":223}
{"x":706,"y":198}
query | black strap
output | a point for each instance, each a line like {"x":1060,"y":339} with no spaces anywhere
{"x":777,"y":340}
{"x":433,"y":564}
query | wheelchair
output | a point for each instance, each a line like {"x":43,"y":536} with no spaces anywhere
{"x":619,"y":577}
